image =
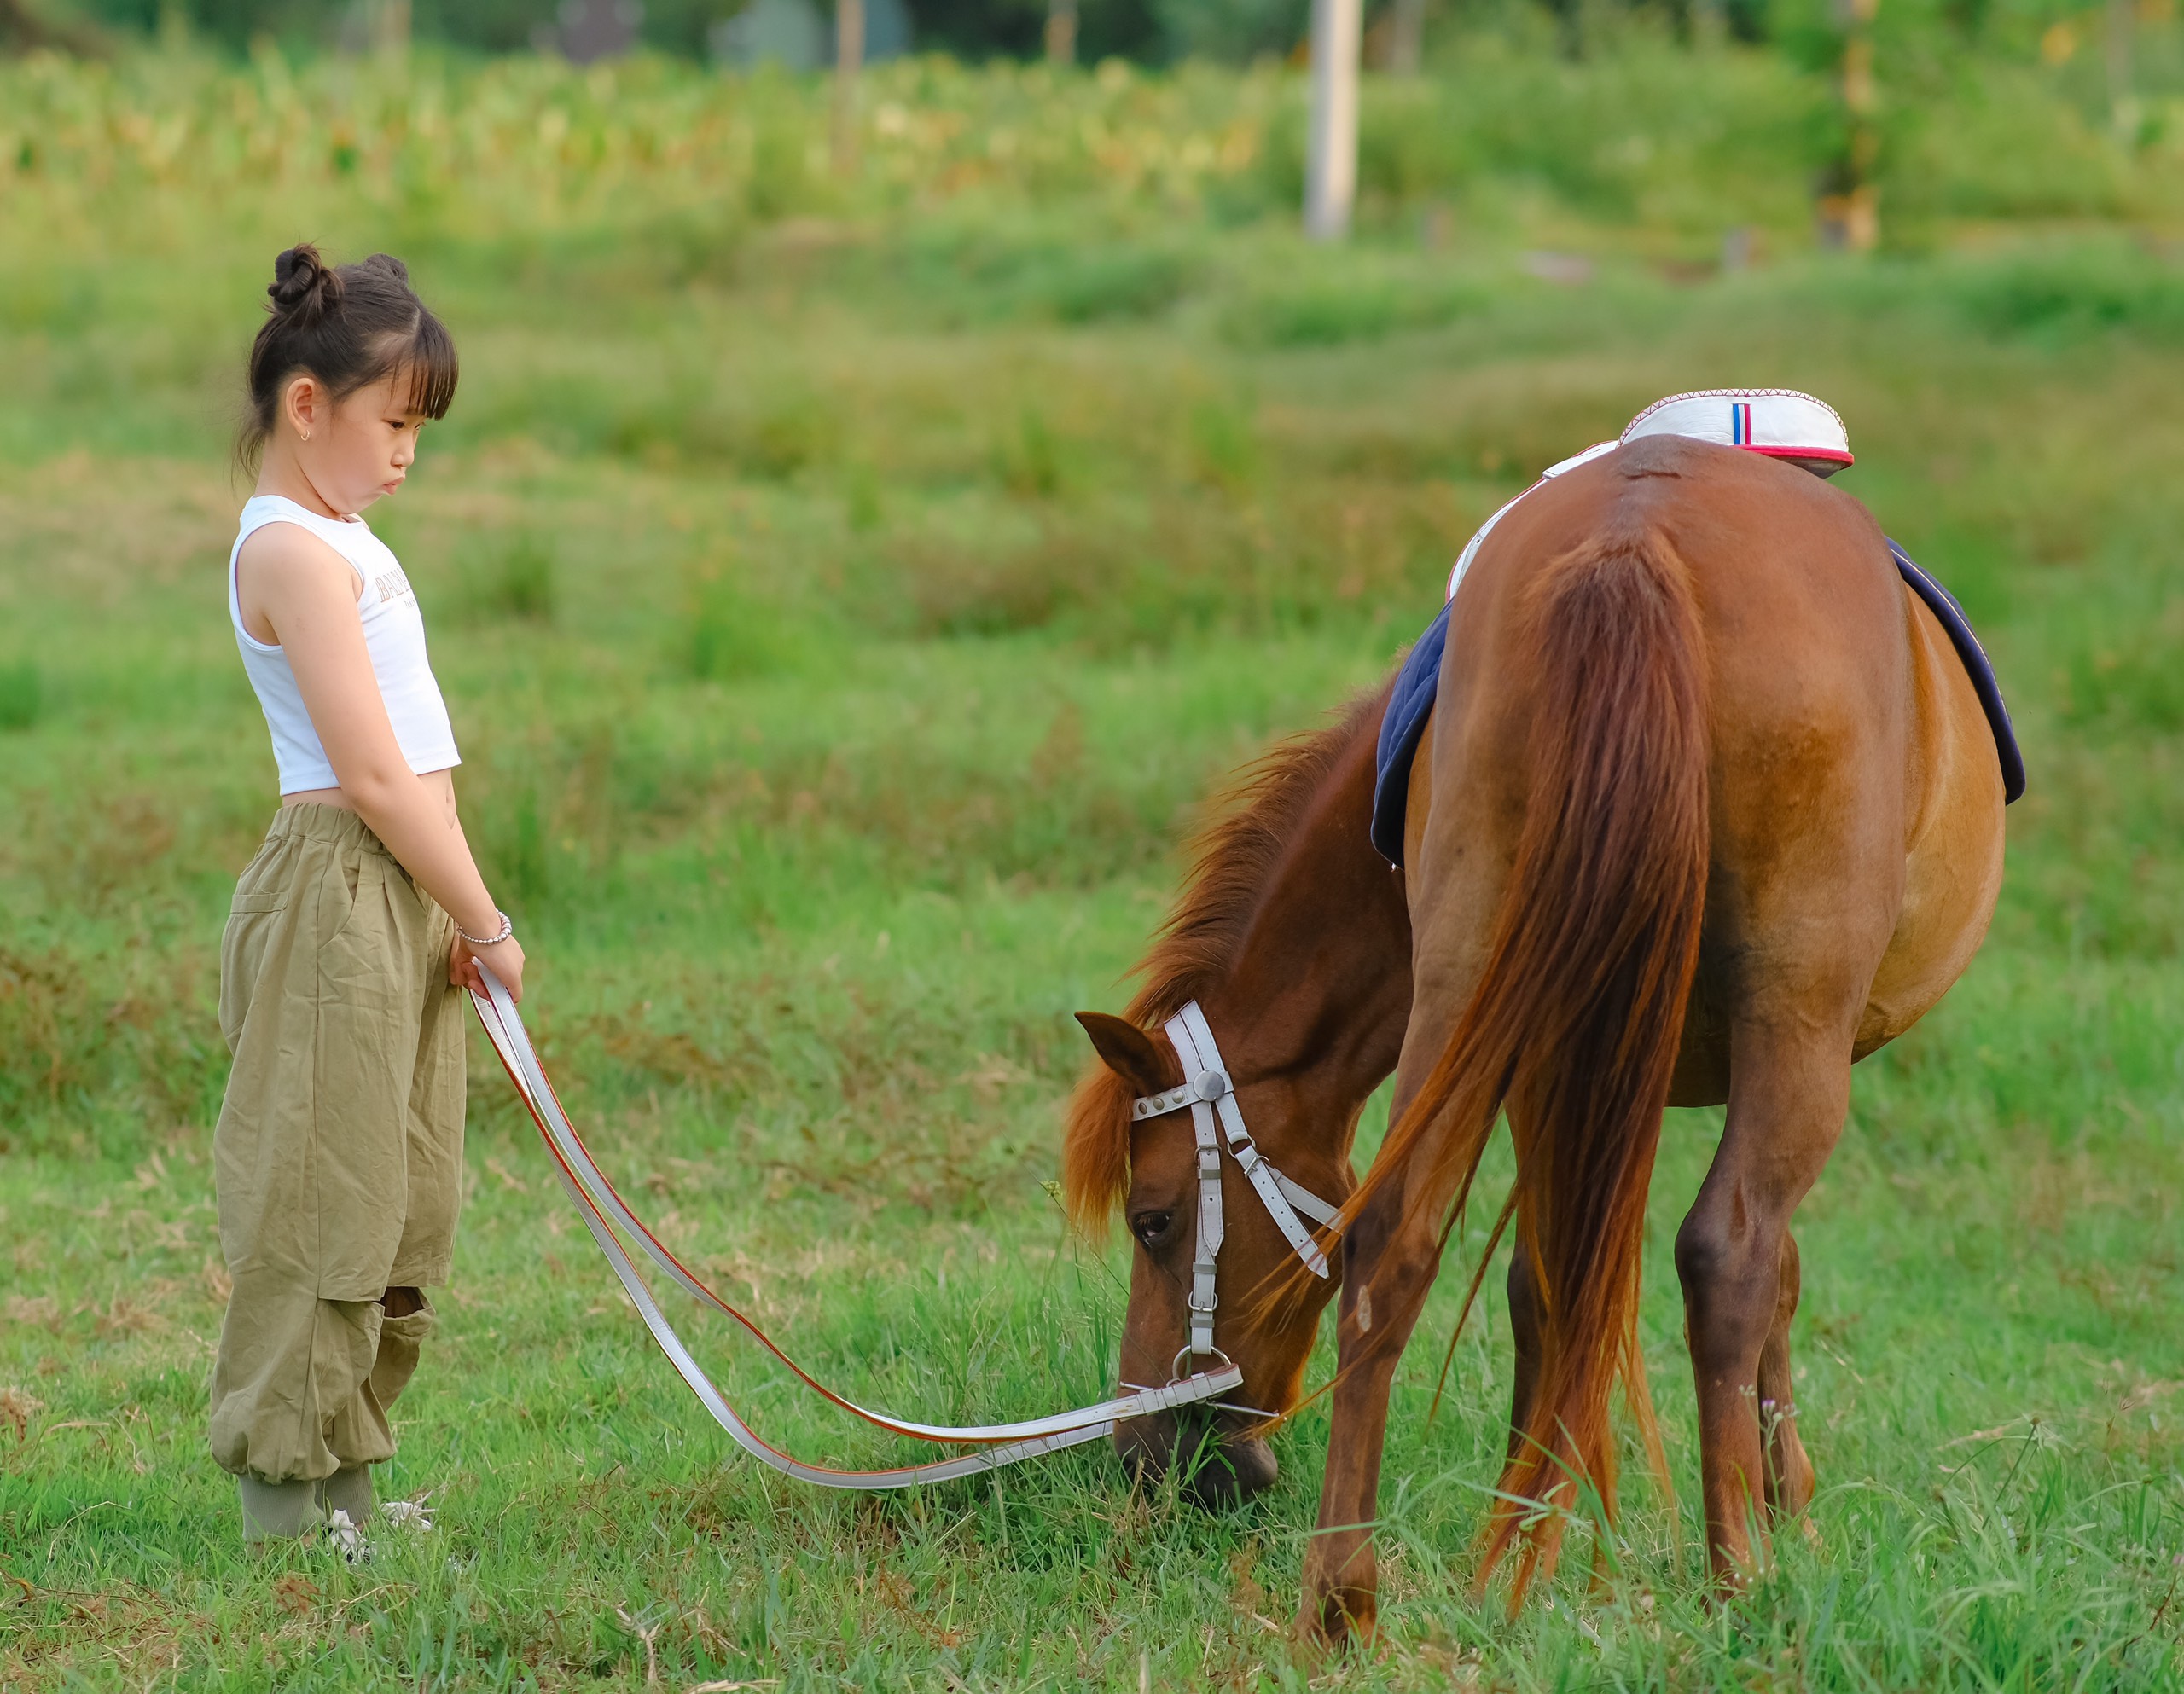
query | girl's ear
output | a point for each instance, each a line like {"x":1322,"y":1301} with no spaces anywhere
{"x":303,"y":404}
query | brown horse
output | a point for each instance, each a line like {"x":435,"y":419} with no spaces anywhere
{"x":1722,"y":815}
{"x":1711,"y":812}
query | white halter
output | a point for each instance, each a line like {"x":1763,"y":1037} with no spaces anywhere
{"x":1208,"y":1092}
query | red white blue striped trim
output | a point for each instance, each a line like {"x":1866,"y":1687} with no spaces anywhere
{"x":1798,"y":428}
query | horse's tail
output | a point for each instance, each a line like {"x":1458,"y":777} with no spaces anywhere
{"x":1578,"y":1014}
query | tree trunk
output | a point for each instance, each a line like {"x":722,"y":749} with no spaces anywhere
{"x":22,"y":29}
{"x":391,"y":28}
{"x":1331,"y":167}
{"x":849,"y":60}
{"x":2121,"y":30}
{"x":1849,"y":215}
{"x":1407,"y":40}
{"x":1061,"y":31}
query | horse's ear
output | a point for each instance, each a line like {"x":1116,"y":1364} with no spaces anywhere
{"x":1128,"y":1051}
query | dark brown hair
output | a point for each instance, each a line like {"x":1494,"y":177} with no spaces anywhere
{"x":350,"y":326}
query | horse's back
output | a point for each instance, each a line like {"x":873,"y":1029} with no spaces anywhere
{"x":1854,"y":831}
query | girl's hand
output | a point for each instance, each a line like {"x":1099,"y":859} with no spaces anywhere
{"x":504,"y":957}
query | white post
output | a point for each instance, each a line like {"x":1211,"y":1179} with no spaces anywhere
{"x":1330,"y":168}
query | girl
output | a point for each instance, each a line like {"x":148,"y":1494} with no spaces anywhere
{"x":338,"y":1155}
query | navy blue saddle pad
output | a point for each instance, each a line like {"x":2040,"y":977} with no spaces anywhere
{"x":1412,"y":702}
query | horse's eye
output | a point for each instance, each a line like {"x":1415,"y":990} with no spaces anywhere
{"x":1150,"y":1226}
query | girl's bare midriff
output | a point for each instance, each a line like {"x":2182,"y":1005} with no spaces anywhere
{"x":440,"y":784}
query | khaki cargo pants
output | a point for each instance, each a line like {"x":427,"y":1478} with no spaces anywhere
{"x":338,"y":1158}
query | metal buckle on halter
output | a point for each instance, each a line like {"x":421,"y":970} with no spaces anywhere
{"x":1208,"y":1085}
{"x":1204,"y":1271}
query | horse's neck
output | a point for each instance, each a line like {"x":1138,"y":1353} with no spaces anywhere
{"x":1320,"y":991}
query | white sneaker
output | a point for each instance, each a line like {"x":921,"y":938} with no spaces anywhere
{"x":347,"y":1538}
{"x":408,"y":1515}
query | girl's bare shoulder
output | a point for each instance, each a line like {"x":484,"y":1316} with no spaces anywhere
{"x":283,"y":557}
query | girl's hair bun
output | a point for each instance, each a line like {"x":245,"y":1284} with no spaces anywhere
{"x":304,"y":286}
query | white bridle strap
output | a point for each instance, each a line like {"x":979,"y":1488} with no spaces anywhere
{"x":597,"y":1201}
{"x":1210,"y":1096}
{"x":1212,"y":1226}
{"x":1273,"y":1192}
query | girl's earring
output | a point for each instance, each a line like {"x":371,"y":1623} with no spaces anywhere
{"x":306,"y":435}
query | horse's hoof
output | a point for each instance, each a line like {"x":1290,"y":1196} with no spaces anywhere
{"x":1335,"y":1622}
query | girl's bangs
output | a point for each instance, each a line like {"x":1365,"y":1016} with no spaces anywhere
{"x":430,"y":362}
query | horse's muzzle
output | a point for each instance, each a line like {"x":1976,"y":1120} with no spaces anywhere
{"x":1217,"y":1466}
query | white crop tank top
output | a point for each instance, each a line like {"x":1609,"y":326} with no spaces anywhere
{"x":394,"y":636}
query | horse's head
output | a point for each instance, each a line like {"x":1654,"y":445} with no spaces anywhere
{"x":1292,"y":938}
{"x":1301,"y":1128}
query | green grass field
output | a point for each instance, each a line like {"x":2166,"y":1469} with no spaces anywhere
{"x":847,"y":595}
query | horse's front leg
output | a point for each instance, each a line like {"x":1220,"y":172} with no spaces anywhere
{"x":1388,"y":1259}
{"x":1789,"y":1471}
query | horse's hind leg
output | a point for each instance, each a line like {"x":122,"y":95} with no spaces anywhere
{"x":1789,"y":1090}
{"x":1526,"y":1316}
{"x":1789,"y":1471}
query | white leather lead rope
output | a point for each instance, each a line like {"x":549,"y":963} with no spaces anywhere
{"x":1211,"y":1094}
{"x":597,"y":1201}
{"x":532,"y":1084}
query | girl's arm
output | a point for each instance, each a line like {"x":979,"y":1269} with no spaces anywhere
{"x":308,"y":593}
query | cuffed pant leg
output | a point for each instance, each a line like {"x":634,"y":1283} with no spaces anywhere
{"x":361,"y":1433}
{"x":289,"y":1363}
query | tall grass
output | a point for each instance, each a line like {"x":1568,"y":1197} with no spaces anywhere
{"x":846,"y":593}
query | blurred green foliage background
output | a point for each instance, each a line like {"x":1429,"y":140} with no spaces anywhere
{"x":850,"y":581}
{"x":1160,"y":32}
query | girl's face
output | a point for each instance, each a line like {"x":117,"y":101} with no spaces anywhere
{"x":358,"y":448}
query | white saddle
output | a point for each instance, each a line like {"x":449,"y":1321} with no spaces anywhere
{"x":1779,"y":423}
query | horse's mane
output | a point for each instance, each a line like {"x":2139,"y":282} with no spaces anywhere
{"x":1233,"y":857}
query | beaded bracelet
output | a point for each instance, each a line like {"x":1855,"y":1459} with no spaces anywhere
{"x":507,"y":933}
